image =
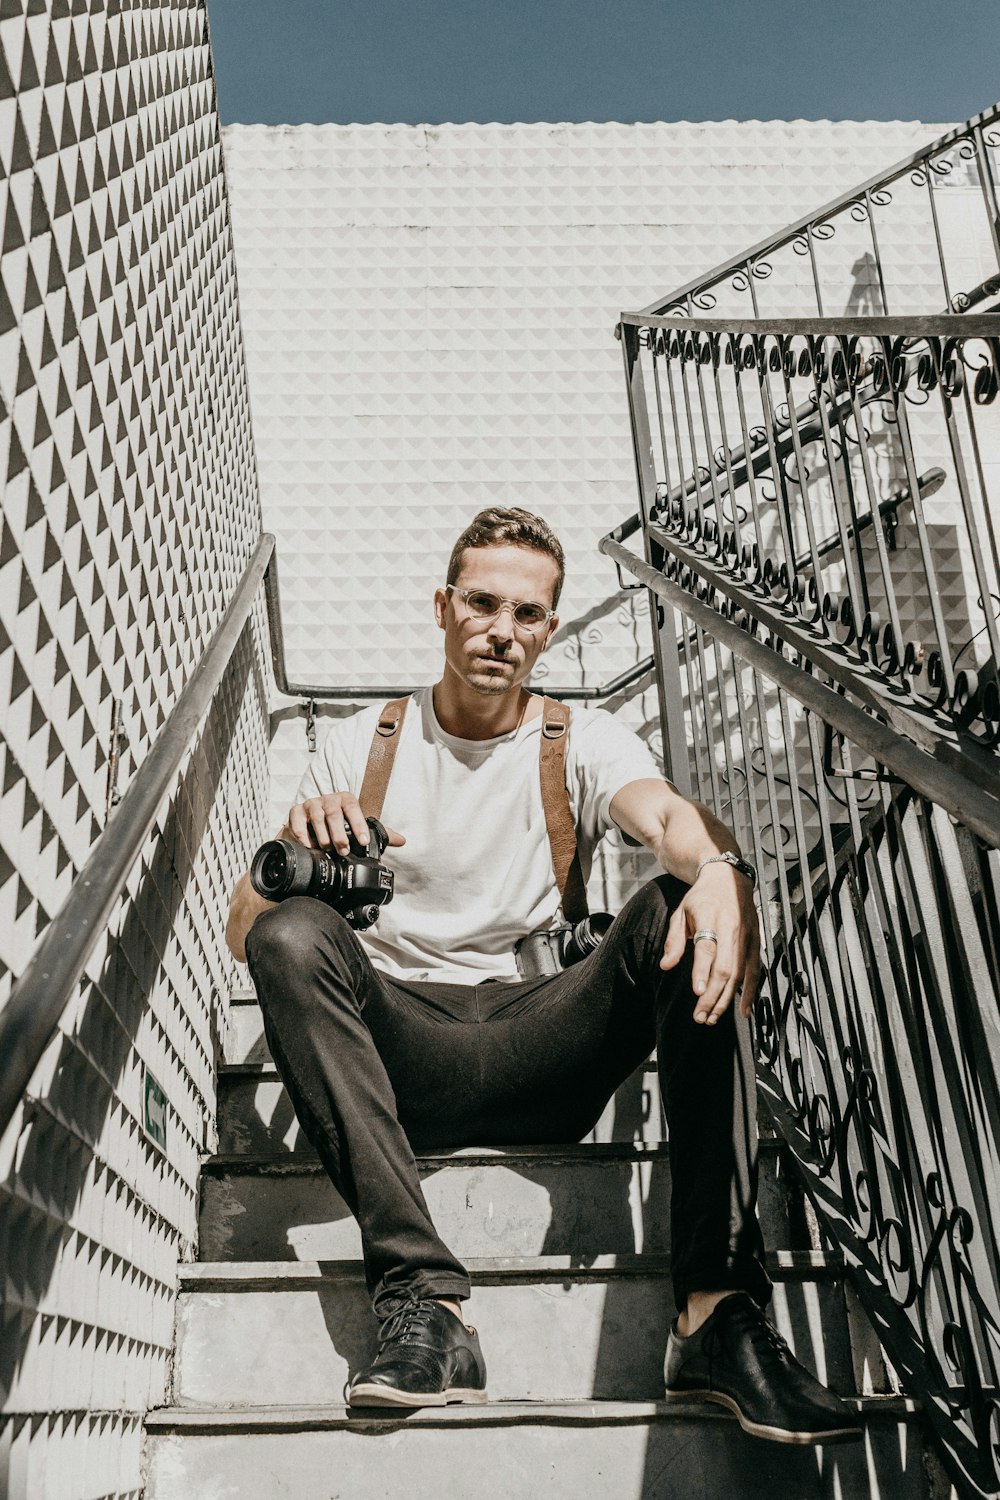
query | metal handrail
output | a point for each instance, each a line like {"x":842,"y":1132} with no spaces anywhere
{"x":858,"y":193}
{"x":318,"y":692}
{"x":961,"y":796}
{"x":984,"y":325}
{"x":43,"y":991}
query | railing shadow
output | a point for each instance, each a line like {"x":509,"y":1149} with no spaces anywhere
{"x":53,"y":1180}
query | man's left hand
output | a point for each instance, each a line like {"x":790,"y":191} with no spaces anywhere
{"x":720,"y":902}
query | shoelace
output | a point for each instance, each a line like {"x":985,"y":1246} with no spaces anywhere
{"x":410,"y":1317}
{"x":766,"y":1339}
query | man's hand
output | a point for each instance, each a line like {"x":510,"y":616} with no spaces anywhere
{"x":720,"y":901}
{"x":317,"y":823}
{"x":322,"y":821}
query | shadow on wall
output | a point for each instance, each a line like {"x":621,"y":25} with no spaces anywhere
{"x":57,"y":1157}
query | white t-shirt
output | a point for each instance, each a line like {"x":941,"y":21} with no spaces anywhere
{"x":475,"y":873}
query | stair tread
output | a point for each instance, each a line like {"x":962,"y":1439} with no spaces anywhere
{"x":465,"y":1156}
{"x":490,"y":1413}
{"x":240,"y":1274}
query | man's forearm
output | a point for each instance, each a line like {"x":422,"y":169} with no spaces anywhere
{"x":679,"y":832}
{"x":244,"y":909}
{"x":691,"y":833}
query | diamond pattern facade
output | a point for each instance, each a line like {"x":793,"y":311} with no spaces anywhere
{"x":129,"y":512}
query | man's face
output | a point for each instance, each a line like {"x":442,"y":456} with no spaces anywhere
{"x":494,"y":656}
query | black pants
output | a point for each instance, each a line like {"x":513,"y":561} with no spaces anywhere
{"x":378,"y":1069}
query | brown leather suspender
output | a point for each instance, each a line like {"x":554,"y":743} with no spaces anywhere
{"x":552,"y":776}
{"x":558,"y":814}
{"x":385,"y":742}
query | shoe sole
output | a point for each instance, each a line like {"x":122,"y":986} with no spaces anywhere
{"x":374,"y":1394}
{"x":761,"y":1430}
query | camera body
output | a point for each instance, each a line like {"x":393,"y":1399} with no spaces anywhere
{"x":539,"y":955}
{"x":355,"y":884}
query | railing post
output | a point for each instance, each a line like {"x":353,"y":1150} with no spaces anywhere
{"x":666,"y":626}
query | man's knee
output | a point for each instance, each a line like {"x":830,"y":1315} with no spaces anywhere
{"x":653,"y":904}
{"x":293,"y":937}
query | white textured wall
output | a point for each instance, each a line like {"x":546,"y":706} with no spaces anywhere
{"x":429,"y":316}
{"x":129,"y":510}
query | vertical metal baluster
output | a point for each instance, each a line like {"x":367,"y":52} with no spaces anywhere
{"x":881,"y":546}
{"x":929,"y":179}
{"x":692,"y":440}
{"x":714,"y":797}
{"x":700,"y":740}
{"x":988,"y":189}
{"x":898,"y":399}
{"x":748,"y":446}
{"x":953,"y":1120}
{"x":653,"y":336}
{"x":682,"y":487}
{"x":706,"y":430}
{"x":662,"y":617}
{"x":986,"y":583}
{"x":800,"y":465}
{"x":720,"y":404}
{"x":827,"y":955}
{"x":815,"y":269}
{"x":844,"y":506}
{"x":777,"y":468}
{"x":870,"y":204}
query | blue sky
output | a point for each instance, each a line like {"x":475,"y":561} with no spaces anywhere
{"x":427,"y":61}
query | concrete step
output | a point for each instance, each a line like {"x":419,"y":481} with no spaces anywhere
{"x":255,"y":1114}
{"x":263,"y":1334}
{"x":579,"y":1450}
{"x":585,"y":1199}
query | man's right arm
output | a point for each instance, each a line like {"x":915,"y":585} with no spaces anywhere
{"x":317,"y":823}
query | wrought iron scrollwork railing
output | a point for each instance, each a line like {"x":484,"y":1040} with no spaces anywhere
{"x":820,"y":505}
{"x":879,"y":246}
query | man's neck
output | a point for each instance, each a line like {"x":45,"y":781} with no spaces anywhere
{"x":479,"y":716}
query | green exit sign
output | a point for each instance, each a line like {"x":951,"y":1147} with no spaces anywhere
{"x":154,"y":1114}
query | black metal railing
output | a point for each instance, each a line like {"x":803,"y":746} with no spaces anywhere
{"x":312,"y":694}
{"x":43,"y":991}
{"x":818,"y":515}
{"x":891,"y":245}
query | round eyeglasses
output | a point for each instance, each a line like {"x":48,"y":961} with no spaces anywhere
{"x":483,"y":605}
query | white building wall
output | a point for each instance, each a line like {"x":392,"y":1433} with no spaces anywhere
{"x":129,"y":511}
{"x":429,"y":316}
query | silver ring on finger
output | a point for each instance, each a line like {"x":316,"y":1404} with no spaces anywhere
{"x":706,"y":935}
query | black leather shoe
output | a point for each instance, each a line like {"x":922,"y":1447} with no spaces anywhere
{"x":426,"y":1357}
{"x":737,"y":1359}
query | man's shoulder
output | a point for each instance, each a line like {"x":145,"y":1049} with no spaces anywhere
{"x":593,"y":725}
{"x":354,"y":731}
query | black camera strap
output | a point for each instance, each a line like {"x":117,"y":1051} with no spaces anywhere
{"x":559,"y":822}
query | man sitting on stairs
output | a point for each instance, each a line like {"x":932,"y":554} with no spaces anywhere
{"x":421,"y":1033}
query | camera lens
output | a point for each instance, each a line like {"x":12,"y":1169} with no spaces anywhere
{"x":281,"y":868}
{"x":586,"y":935}
{"x":273,"y":868}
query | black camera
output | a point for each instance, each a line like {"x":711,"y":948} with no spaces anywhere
{"x":355,"y":884}
{"x":542,"y":954}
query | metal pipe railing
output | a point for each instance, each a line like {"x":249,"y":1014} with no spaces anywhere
{"x":41,"y":994}
{"x":326,"y":692}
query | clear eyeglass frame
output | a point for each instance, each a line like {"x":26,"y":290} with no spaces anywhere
{"x":490,"y":606}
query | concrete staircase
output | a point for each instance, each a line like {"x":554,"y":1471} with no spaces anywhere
{"x":568,"y":1249}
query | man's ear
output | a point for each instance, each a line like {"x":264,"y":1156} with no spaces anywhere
{"x":440,"y":606}
{"x":553,"y":627}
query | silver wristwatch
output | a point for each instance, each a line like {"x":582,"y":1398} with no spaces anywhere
{"x":743,"y":866}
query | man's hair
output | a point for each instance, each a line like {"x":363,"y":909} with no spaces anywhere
{"x":497,"y":527}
